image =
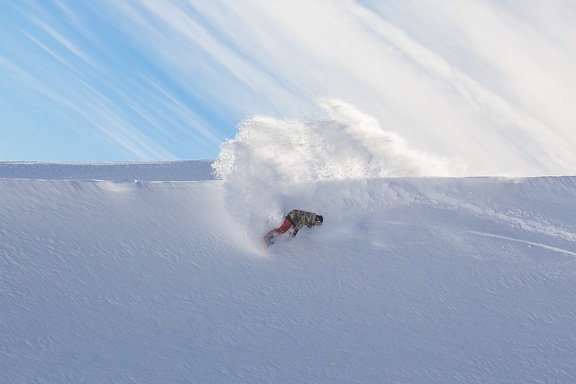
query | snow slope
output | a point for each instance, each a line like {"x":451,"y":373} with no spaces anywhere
{"x":409,"y":280}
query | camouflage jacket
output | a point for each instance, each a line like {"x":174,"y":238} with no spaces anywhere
{"x":300,"y":218}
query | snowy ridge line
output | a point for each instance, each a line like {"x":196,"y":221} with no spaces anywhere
{"x":111,"y":180}
{"x":102,"y":163}
{"x":185,"y":170}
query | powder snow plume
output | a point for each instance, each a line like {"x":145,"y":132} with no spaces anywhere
{"x":272,"y":162}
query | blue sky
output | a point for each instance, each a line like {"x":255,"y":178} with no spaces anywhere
{"x":488,"y":82}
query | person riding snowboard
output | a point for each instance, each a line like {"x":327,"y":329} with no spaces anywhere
{"x":296,"y":219}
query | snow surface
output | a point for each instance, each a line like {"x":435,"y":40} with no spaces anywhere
{"x":153,"y":171}
{"x":409,"y":280}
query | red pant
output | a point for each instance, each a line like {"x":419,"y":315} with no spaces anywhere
{"x":283,"y":228}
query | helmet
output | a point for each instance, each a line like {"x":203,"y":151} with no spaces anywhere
{"x":319,"y":219}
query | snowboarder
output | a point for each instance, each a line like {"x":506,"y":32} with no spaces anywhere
{"x":296,"y":219}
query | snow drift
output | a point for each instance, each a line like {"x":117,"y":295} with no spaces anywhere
{"x":410,"y":280}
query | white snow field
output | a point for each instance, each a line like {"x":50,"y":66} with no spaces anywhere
{"x":409,"y":280}
{"x":108,"y":277}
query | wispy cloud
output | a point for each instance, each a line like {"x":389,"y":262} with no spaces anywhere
{"x":62,"y":69}
{"x":487,"y":82}
{"x":408,"y":71}
{"x":504,"y":119}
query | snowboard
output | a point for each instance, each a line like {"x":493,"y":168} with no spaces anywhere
{"x":268,"y":241}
